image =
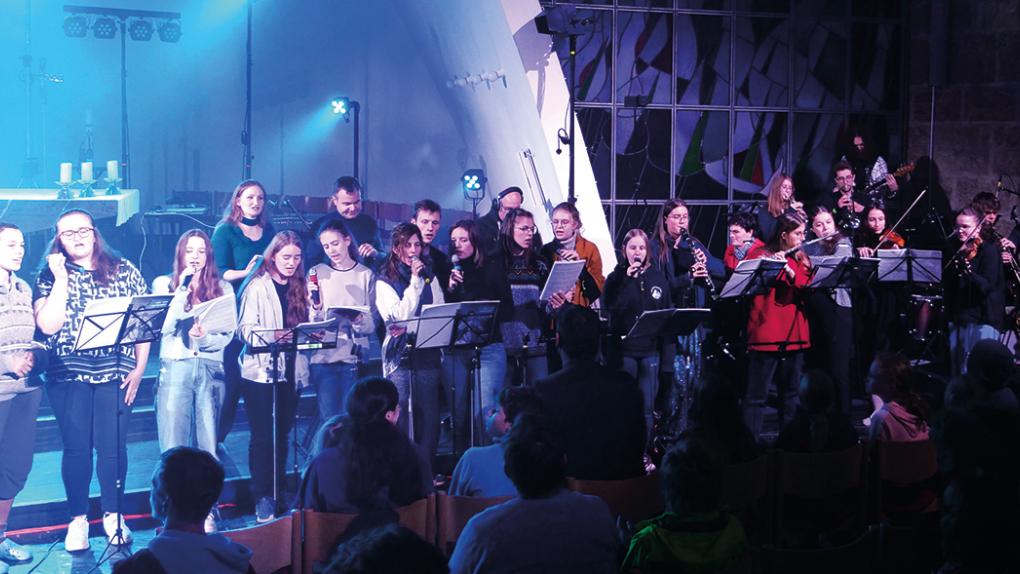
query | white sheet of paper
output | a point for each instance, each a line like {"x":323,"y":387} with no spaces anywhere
{"x":562,"y":277}
{"x":217,"y":315}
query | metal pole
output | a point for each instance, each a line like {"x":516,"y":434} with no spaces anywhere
{"x":570,"y":115}
{"x":357,"y":134}
{"x":125,"y":139}
{"x":246,"y":131}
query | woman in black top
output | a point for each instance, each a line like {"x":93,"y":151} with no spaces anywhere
{"x":476,"y":278}
{"x":631,"y":289}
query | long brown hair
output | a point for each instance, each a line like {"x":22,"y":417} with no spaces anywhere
{"x":506,"y":237}
{"x":232,"y":214}
{"x":401,"y":235}
{"x":776,"y":204}
{"x":469,"y":226}
{"x":788,"y":222}
{"x":297,"y":296}
{"x":661,"y":234}
{"x":105,"y":261}
{"x":207,"y":283}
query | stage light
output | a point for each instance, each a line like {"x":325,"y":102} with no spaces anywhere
{"x":473,"y":182}
{"x":75,"y":27}
{"x":104,"y":28}
{"x":140,"y":30}
{"x":170,"y":31}
{"x":341,"y":106}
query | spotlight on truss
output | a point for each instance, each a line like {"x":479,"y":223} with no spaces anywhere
{"x":104,"y":28}
{"x":75,"y":27}
{"x":473,"y":181}
{"x":170,"y":31}
{"x":140,"y":30}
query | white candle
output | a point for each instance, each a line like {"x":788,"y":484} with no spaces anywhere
{"x":65,"y":173}
{"x":86,"y":171}
{"x":111,"y":169}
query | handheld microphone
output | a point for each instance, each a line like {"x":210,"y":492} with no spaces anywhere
{"x":455,"y":260}
{"x":313,"y":278}
{"x":187,"y":280}
{"x":426,"y":273}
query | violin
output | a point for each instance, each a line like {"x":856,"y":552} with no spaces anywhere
{"x":891,"y":238}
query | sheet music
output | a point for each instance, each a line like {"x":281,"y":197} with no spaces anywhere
{"x":317,"y":334}
{"x":824,"y":274}
{"x":748,"y":269}
{"x":562,"y":277}
{"x":217,"y":315}
{"x":348,"y":312}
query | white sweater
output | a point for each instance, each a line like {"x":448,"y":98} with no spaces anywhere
{"x":353,"y":287}
{"x":260,"y":309}
{"x":176,"y":344}
{"x":393,"y":308}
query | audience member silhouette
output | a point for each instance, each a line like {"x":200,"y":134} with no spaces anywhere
{"x":479,"y":472}
{"x":816,"y":426}
{"x":598,"y":413}
{"x":365,"y":464}
{"x":547,"y":528}
{"x":717,"y":419}
{"x":391,"y":549}
{"x":185,"y":486}
{"x":694,"y":534}
{"x":904,"y":415}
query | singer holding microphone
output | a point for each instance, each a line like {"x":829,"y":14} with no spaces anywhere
{"x":404,"y":286}
{"x":88,"y":390}
{"x":476,"y":278}
{"x":340,"y":281}
{"x":631,"y":289}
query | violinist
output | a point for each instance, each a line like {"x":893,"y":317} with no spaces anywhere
{"x":830,"y":311}
{"x":777,"y":329}
{"x":874,"y":234}
{"x":975,"y":288}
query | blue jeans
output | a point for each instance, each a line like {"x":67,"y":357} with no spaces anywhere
{"x":459,"y":381}
{"x":645,"y":371}
{"x":189,"y":398}
{"x":332,"y":381}
{"x":87,"y":417}
{"x":962,"y":339}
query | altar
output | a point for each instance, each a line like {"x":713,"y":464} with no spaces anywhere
{"x":37,"y":209}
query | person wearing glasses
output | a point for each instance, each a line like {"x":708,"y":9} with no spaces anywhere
{"x":526,"y":271}
{"x":568,"y":245}
{"x":85,"y":387}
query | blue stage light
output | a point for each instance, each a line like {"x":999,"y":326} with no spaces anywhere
{"x":104,"y":28}
{"x":473,"y":181}
{"x":140,"y":30}
{"x":341,"y":106}
{"x":75,"y":27}
{"x":170,"y":31}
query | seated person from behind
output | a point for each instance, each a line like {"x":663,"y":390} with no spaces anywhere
{"x":989,"y":367}
{"x":694,"y":534}
{"x":547,"y":528}
{"x":479,"y":471}
{"x":815,"y":426}
{"x":716,"y":419}
{"x":388,"y":549}
{"x":185,"y":486}
{"x":365,"y":464}
{"x":904,"y":415}
{"x":597,"y":413}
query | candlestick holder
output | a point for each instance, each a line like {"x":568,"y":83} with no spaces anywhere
{"x":86,"y":187}
{"x":64,"y":189}
{"x":112,"y":185}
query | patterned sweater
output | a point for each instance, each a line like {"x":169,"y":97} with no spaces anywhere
{"x":17,"y":328}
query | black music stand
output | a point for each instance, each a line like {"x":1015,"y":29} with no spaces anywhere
{"x":665,"y":323}
{"x":841,"y":271}
{"x":752,"y":277}
{"x":914,"y":266}
{"x":120,"y":322}
{"x":301,"y":337}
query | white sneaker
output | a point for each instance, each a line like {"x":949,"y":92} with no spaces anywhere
{"x":77,"y":538}
{"x":210,"y":523}
{"x":110,"y":527}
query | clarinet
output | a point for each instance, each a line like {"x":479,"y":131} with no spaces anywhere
{"x":713,"y":296}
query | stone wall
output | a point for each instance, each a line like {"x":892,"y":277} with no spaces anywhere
{"x":977,"y":111}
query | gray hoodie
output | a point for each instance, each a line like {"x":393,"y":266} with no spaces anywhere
{"x":192,"y":553}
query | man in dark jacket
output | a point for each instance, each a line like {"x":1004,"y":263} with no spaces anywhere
{"x":488,"y":224}
{"x":598,"y":413}
{"x":347,"y":204}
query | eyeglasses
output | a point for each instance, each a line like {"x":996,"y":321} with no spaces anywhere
{"x":81,"y":232}
{"x":527,"y":229}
